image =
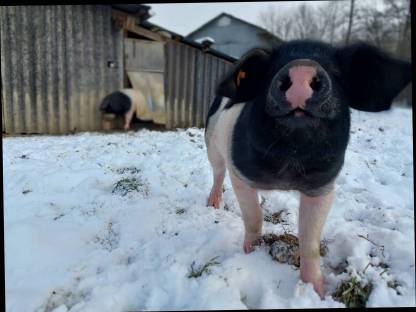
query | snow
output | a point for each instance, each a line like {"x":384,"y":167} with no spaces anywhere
{"x":71,"y":244}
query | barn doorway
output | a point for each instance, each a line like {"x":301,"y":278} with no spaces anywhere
{"x":144,"y":63}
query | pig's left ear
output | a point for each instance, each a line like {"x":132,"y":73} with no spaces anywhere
{"x":372,"y":78}
{"x":246,"y":78}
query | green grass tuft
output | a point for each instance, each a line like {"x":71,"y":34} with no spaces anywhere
{"x":197,"y":272}
{"x":352,"y":293}
{"x":127,"y":185}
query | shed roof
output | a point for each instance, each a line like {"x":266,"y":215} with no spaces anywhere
{"x":139,"y":10}
{"x":153,"y":27}
{"x":142,"y":12}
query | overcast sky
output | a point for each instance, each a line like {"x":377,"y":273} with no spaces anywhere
{"x":183,"y":18}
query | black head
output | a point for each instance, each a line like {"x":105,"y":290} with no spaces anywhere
{"x":116,"y":103}
{"x":295,"y":125}
{"x":303,"y":83}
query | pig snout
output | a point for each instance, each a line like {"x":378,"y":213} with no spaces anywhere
{"x":300,"y":86}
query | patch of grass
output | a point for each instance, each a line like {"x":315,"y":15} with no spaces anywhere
{"x":262,"y":201}
{"x":275,"y":217}
{"x":352,"y":293}
{"x":394,"y":284}
{"x":109,"y":239}
{"x":131,"y":170}
{"x":380,"y":247}
{"x":285,"y":248}
{"x":127,"y":185}
{"x":197,"y":272}
{"x":180,"y":211}
{"x":59,"y":216}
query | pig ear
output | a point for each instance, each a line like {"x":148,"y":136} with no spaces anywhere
{"x":372,"y":78}
{"x":246,"y":78}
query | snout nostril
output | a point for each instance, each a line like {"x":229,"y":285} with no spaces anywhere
{"x":285,"y":83}
{"x":316,"y":84}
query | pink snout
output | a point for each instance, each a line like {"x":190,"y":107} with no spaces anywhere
{"x":300,"y":90}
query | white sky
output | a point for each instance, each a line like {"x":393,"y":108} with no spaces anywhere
{"x":183,"y":18}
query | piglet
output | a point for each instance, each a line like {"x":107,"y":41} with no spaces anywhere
{"x":126,"y":103}
{"x":281,"y":121}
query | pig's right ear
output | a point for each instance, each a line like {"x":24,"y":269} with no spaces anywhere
{"x":247,"y":77}
{"x":372,"y":77}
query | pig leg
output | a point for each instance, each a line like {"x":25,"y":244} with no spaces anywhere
{"x":127,"y":119}
{"x":252,"y":215}
{"x":218,"y":169}
{"x":312,"y":215}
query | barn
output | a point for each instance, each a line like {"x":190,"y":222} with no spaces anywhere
{"x":58,"y":62}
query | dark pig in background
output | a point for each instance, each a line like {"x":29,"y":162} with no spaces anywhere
{"x":126,"y":103}
{"x":281,"y":120}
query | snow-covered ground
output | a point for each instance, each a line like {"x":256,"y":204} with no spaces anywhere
{"x":77,"y":240}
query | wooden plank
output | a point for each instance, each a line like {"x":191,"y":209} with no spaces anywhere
{"x":130,"y":23}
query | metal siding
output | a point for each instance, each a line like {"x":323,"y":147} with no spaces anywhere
{"x":191,"y":77}
{"x":54,"y":67}
{"x":144,"y":55}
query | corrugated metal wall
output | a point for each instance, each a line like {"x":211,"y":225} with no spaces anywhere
{"x":54,"y":67}
{"x":190,"y":80}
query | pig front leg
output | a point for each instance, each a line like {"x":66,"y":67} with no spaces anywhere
{"x":127,"y":119}
{"x":218,"y":170}
{"x":248,"y":200}
{"x":312,"y":214}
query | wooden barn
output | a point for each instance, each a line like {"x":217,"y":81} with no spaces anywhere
{"x":58,"y":62}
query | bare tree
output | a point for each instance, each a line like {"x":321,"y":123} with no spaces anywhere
{"x":398,"y":15}
{"x":384,"y":23}
{"x":277,"y":22}
{"x":351,"y":17}
{"x":332,"y":19}
{"x":306,"y":22}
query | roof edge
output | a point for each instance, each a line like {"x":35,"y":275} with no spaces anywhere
{"x":236,"y":18}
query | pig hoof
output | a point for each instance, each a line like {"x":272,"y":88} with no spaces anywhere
{"x":249,"y":246}
{"x":318,"y":285}
{"x":214,"y":199}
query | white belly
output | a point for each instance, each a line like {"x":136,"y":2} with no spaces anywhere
{"x":220,"y":131}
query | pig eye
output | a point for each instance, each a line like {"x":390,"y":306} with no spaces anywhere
{"x":285,"y":84}
{"x":315,"y":84}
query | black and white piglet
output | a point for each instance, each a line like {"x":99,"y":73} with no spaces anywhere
{"x":126,"y":103}
{"x":281,"y":120}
